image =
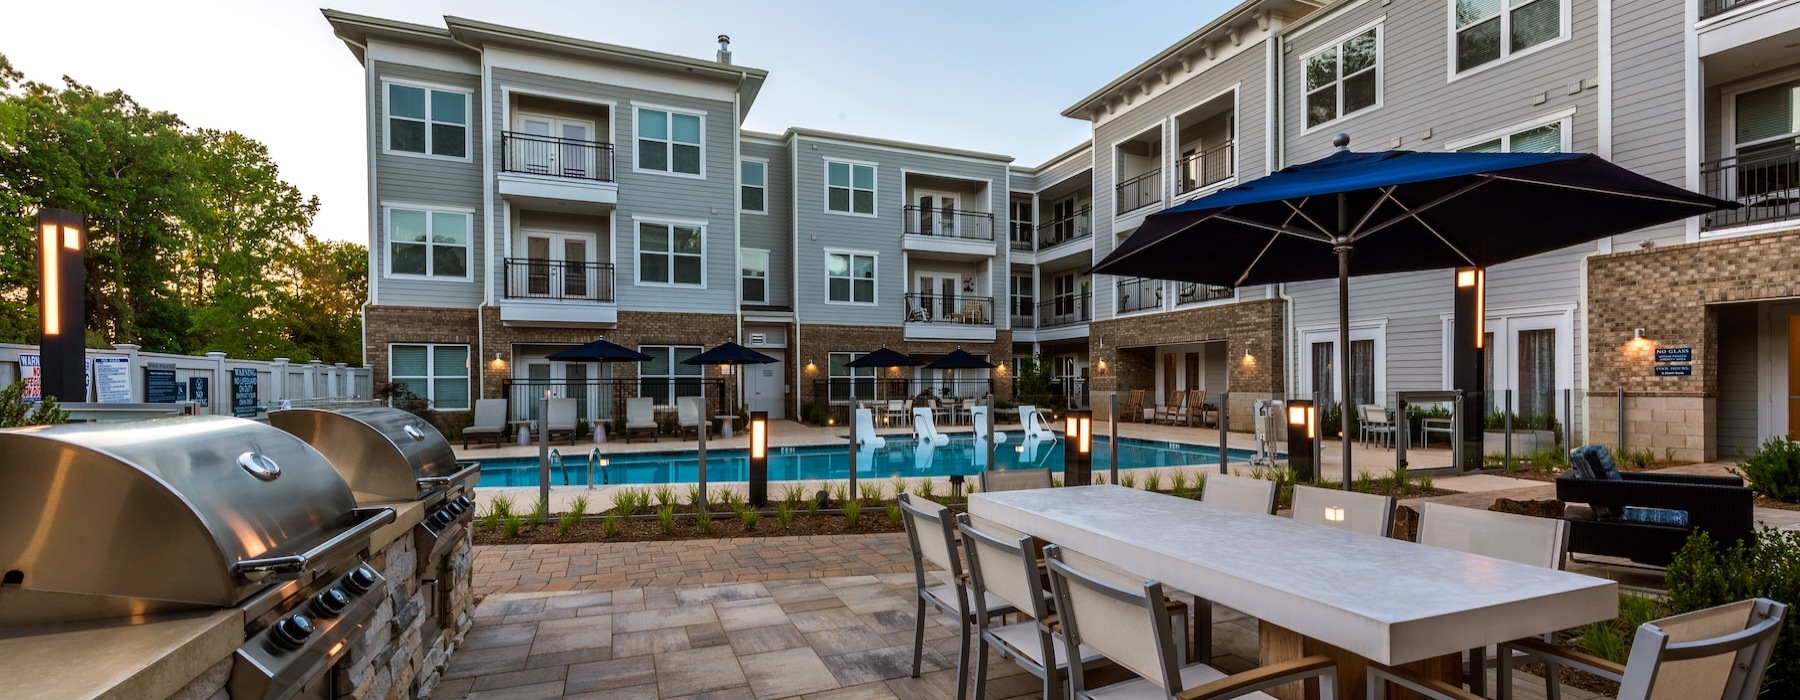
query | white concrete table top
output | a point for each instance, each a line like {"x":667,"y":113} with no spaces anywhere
{"x":1387,"y":600}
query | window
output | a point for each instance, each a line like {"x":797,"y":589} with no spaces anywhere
{"x":754,"y":268}
{"x":428,"y":243}
{"x":1321,"y":372}
{"x":1488,"y":30}
{"x":669,"y":141}
{"x":849,"y":188}
{"x":1546,"y":138}
{"x":1766,"y":127}
{"x":850,"y":278}
{"x":1023,"y":303}
{"x":439,"y":373}
{"x":754,"y":174}
{"x":671,"y":253}
{"x":664,"y":377}
{"x":850,"y":383}
{"x":1344,"y":78}
{"x":427,"y":120}
{"x":1537,"y":372}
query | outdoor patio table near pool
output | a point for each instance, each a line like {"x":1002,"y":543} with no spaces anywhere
{"x":1375,"y":598}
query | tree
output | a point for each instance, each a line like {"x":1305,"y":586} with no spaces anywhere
{"x":322,"y":307}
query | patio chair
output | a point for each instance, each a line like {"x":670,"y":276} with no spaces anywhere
{"x":1168,"y":413}
{"x":1719,"y":652}
{"x":1031,"y":422}
{"x":1367,"y":513}
{"x":1195,"y":412}
{"x":925,"y":428}
{"x":1003,"y":563}
{"x":490,"y":420}
{"x":1133,"y":408}
{"x":1376,"y":421}
{"x":963,"y":411}
{"x":640,"y":414}
{"x":865,"y":430}
{"x":932,"y":538}
{"x":980,"y":421}
{"x":689,"y":412}
{"x":1015,"y":480}
{"x":1442,"y":426}
{"x":971,"y":313}
{"x":1126,"y":622}
{"x":896,"y":412}
{"x":1239,"y":492}
{"x":1521,"y":538}
{"x":560,"y":420}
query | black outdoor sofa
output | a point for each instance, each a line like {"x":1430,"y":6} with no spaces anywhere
{"x":1719,"y":505}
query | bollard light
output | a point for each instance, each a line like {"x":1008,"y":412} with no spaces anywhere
{"x":63,"y":313}
{"x":759,"y":458}
{"x":1303,"y":435}
{"x":1078,"y":448}
{"x":1476,"y":278}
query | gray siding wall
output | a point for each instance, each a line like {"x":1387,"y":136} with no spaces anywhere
{"x":774,"y":231}
{"x":656,"y":195}
{"x":1065,"y":169}
{"x":1649,"y":103}
{"x":881,"y":234}
{"x":424,"y":180}
{"x":1022,"y":181}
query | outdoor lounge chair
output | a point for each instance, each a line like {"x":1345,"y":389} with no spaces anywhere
{"x":640,"y":414}
{"x":1367,"y":513}
{"x":932,"y":538}
{"x":1721,"y":506}
{"x":896,"y":411}
{"x":865,"y":430}
{"x":1003,"y":563}
{"x":978,"y":417}
{"x":1375,"y":420}
{"x":688,"y":416}
{"x":490,"y":420}
{"x":1015,"y":480}
{"x":1195,"y":411}
{"x":561,"y":419}
{"x":1032,"y":424}
{"x":1134,"y":407}
{"x":1239,"y":492}
{"x":925,"y":428}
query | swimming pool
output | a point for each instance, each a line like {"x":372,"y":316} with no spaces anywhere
{"x":901,"y":457}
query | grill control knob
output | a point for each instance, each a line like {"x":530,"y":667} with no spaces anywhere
{"x":360,"y":580}
{"x":455,"y":507}
{"x":465,"y":502}
{"x":291,"y":633}
{"x":330,"y":603}
{"x":441,"y":518}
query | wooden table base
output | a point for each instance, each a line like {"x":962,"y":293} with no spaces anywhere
{"x":1277,"y":644}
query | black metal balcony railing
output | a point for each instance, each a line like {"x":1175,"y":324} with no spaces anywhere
{"x":1068,"y":228}
{"x":1065,"y":310}
{"x":949,"y":223}
{"x":604,"y":399}
{"x":949,"y":308}
{"x":1138,"y":294}
{"x":534,"y":278}
{"x":1021,"y":238}
{"x":1140,"y":191}
{"x":1202,"y":168}
{"x":1190,"y":293}
{"x":557,"y":157}
{"x":1709,"y":8}
{"x":838,"y":394}
{"x":1766,"y":184}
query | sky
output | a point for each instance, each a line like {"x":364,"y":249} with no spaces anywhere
{"x":979,"y":75}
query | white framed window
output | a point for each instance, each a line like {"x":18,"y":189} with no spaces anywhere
{"x":671,"y":253}
{"x":1343,"y":78}
{"x":753,"y":266}
{"x":426,"y":120}
{"x":1319,"y":363}
{"x":849,"y":277}
{"x":428,"y":242}
{"x":850,"y":187}
{"x":1540,"y":136}
{"x":665,"y":377}
{"x":670,"y":141}
{"x":438,"y":373}
{"x":753,"y":185}
{"x":849,"y":383}
{"x":1487,"y":31}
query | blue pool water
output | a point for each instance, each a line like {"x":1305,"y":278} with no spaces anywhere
{"x":901,"y":457}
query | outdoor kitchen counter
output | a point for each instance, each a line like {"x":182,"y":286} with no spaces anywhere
{"x":153,"y":660}
{"x":406,"y":515}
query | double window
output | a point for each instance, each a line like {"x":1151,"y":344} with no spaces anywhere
{"x":754,"y":270}
{"x":430,"y":121}
{"x":439,"y":373}
{"x":1344,"y":78}
{"x":664,"y":377}
{"x":850,"y":383}
{"x":1489,"y":30}
{"x":849,"y":187}
{"x":753,"y":176}
{"x":428,"y":243}
{"x":671,"y":253}
{"x":669,"y":141}
{"x":1544,"y":138}
{"x":850,"y":278}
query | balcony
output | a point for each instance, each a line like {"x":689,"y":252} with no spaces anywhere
{"x":1075,"y":226}
{"x":1021,"y":238}
{"x":1140,"y":191}
{"x":536,"y":290}
{"x":949,"y":317}
{"x":1714,"y":8}
{"x":1767,"y":184}
{"x":1191,"y":293}
{"x":1067,"y":310}
{"x":1205,"y":168}
{"x":952,"y":231}
{"x":1140,"y":294}
{"x":554,"y":170}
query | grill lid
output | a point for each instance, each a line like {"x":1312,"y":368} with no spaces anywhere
{"x":385,"y":453}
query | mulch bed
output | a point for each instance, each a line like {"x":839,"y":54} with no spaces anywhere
{"x":1574,"y":678}
{"x":1766,"y":502}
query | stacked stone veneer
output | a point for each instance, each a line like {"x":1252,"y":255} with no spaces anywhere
{"x":393,"y":659}
{"x":1667,"y":291}
{"x":1127,"y":346}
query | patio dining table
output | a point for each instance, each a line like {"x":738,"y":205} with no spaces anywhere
{"x":1314,"y":589}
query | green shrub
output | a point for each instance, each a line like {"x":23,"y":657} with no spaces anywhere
{"x":748,"y":517}
{"x":1603,"y":639}
{"x":510,"y":524}
{"x":871,"y":493}
{"x":665,"y":518}
{"x":610,"y":525}
{"x":1153,"y":481}
{"x":852,"y":513}
{"x":540,"y":513}
{"x":893,"y":512}
{"x":16,"y":412}
{"x":703,"y":524}
{"x":784,"y":512}
{"x":792,"y":493}
{"x":1128,"y":479}
{"x":840,"y":492}
{"x":1704,"y":575}
{"x":925,"y":488}
{"x":665,"y":495}
{"x":1773,"y":470}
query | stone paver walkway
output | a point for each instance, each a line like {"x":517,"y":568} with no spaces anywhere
{"x":608,"y":566}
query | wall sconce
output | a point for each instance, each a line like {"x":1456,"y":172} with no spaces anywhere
{"x":810,"y":367}
{"x":1334,"y":514}
{"x":999,"y":369}
{"x":1476,"y":277}
{"x":1638,"y":334}
{"x":1100,"y":367}
{"x":759,"y":458}
{"x":63,"y":313}
{"x":499,"y":362}
{"x":1249,"y":357}
{"x":725,"y":369}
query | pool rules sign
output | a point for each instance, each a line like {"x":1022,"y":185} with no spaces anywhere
{"x":243,"y":392}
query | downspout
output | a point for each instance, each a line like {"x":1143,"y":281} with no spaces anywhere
{"x":369,"y":142}
{"x":487,"y":211}
{"x":1279,"y":139}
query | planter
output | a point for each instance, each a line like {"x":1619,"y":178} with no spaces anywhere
{"x":1524,"y":442}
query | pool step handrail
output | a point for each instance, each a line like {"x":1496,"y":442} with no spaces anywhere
{"x":925,"y":428}
{"x":556,"y":465}
{"x":865,"y":430}
{"x":594,"y":459}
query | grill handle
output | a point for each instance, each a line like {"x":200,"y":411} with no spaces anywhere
{"x":460,"y":474}
{"x":291,"y":566}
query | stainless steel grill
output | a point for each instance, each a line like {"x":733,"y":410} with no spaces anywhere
{"x":116,"y":523}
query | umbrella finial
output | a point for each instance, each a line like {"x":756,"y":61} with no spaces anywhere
{"x":1341,"y":140}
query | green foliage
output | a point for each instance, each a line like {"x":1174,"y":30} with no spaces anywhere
{"x":1127,"y":479}
{"x":511,"y":524}
{"x":577,"y":510}
{"x":812,"y":506}
{"x":853,"y":513}
{"x":628,"y":501}
{"x":665,"y":495}
{"x":703,"y":524}
{"x":1641,"y":458}
{"x":540,"y":513}
{"x":665,"y":518}
{"x":610,"y":525}
{"x":15,"y":411}
{"x":1603,"y":639}
{"x":748,"y":517}
{"x":871,"y":493}
{"x":1153,"y":481}
{"x":899,"y":486}
{"x":925,"y":488}
{"x":1031,"y":382}
{"x":1773,"y":470}
{"x":811,"y":413}
{"x":893,"y":512}
{"x":1425,"y":482}
{"x":1704,"y":574}
{"x":785,"y":512}
{"x":840,"y":492}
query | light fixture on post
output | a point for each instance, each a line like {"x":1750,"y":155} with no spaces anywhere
{"x":1078,"y":448}
{"x":759,"y":458}
{"x":1303,"y":439}
{"x":62,"y":317}
{"x":1468,"y":372}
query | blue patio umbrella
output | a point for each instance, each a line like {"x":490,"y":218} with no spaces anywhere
{"x":883,"y":357}
{"x":599,"y":350}
{"x":959,"y":359}
{"x":730,"y":354}
{"x":1355,"y":213}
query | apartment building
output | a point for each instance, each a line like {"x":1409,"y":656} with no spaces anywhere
{"x":843,"y":243}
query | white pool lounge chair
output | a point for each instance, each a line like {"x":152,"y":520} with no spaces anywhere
{"x":925,"y":428}
{"x":490,"y":421}
{"x":1033,"y":423}
{"x":640,"y":414}
{"x":865,"y":430}
{"x":688,"y":410}
{"x":979,"y":418}
{"x":561,"y":419}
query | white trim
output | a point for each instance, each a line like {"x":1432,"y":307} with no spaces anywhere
{"x":371,"y":88}
{"x":1728,"y":145}
{"x":1313,"y":21}
{"x":562,"y":96}
{"x":875,"y":282}
{"x":468,"y":125}
{"x":1564,"y":117}
{"x":765,"y":278}
{"x":1379,"y":25}
{"x":1605,"y":98}
{"x":1237,"y":153}
{"x":1365,"y":329}
{"x":764,"y":162}
{"x":1506,"y":324}
{"x":471,"y":369}
{"x":922,"y":150}
{"x":1749,"y":229}
{"x":1506,"y":53}
{"x":874,"y":191}
{"x":1161,"y":129}
{"x":637,"y":247}
{"x":1692,"y":90}
{"x":386,"y":242}
{"x":636,"y":135}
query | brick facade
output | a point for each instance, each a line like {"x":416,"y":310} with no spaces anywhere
{"x":634,"y":328}
{"x":383,"y":325}
{"x":1127,"y":347}
{"x":815,"y":343}
{"x":1667,"y":292}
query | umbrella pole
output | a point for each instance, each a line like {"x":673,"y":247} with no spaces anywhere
{"x":1343,"y":251}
